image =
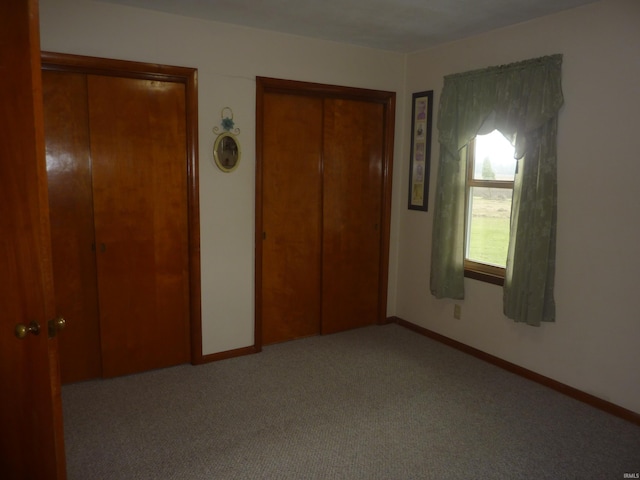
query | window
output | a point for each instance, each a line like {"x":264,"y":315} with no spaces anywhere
{"x":491,"y":170}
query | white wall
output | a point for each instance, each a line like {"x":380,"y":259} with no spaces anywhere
{"x":595,"y":343}
{"x":228,"y":59}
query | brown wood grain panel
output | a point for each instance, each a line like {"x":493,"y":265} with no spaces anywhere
{"x":138,"y":147}
{"x":352,"y":211}
{"x":291,"y":216}
{"x":72,"y":232}
{"x":31,"y":436}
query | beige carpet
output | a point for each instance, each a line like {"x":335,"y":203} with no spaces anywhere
{"x":373,"y":403}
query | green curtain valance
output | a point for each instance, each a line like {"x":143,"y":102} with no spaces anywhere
{"x":520,"y":98}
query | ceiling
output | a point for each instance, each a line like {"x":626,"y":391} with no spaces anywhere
{"x":397,"y":25}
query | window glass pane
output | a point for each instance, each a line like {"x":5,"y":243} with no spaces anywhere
{"x":489,"y":215}
{"x":493,"y":159}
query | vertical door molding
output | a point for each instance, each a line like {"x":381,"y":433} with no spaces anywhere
{"x":266,"y":86}
{"x":164,"y":73}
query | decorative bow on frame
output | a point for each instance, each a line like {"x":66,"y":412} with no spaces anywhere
{"x":227,"y":123}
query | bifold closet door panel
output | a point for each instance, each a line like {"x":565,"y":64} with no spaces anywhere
{"x":292,"y":204}
{"x":138,"y":148}
{"x":71,"y":214}
{"x":352,"y":206}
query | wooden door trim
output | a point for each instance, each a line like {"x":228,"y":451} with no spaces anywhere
{"x":265,"y":85}
{"x":189,"y":78}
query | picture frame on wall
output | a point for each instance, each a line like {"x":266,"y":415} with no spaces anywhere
{"x":420,"y":161}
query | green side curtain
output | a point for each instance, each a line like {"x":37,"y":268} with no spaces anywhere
{"x":522,"y":101}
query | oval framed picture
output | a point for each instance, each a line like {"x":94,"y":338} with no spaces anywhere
{"x":226,"y":152}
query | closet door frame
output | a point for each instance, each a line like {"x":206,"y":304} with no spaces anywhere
{"x":165,"y":73}
{"x":265,"y":85}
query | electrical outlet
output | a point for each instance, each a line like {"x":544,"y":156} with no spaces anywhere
{"x":457,"y":311}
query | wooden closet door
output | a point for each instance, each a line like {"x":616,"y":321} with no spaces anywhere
{"x":292,"y":196}
{"x":352,"y":213}
{"x":66,"y":122}
{"x":138,"y":149}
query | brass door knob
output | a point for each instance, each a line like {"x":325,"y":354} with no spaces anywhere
{"x":23,"y":330}
{"x":55,"y":325}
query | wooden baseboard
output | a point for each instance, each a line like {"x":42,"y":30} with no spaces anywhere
{"x":238,"y":352}
{"x":584,"y":397}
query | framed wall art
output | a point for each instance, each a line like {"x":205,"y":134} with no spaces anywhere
{"x":420,"y":162}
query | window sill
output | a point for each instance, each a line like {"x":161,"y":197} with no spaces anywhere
{"x":484,"y":277}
